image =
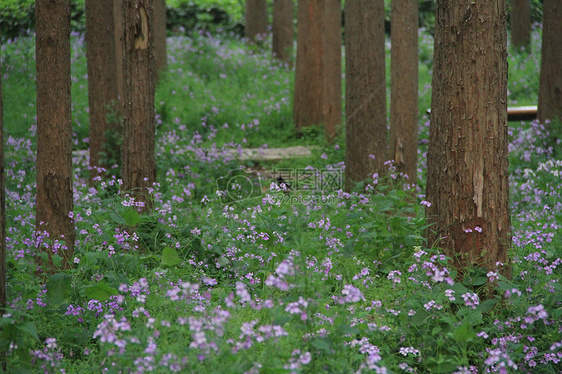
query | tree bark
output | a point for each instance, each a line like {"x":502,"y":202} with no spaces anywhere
{"x":467,"y":167}
{"x":160,"y":35}
{"x":550,"y":85}
{"x":102,"y":83}
{"x":54,"y":126}
{"x":520,"y":24}
{"x":256,"y":20}
{"x":282,"y":43}
{"x":317,"y":97}
{"x":3,"y":269}
{"x":365,"y":90}
{"x":139,"y":165}
{"x":404,"y":88}
{"x":118,"y":17}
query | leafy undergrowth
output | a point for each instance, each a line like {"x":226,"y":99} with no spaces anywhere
{"x":231,"y":273}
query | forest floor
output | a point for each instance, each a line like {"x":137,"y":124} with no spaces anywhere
{"x":226,"y":275}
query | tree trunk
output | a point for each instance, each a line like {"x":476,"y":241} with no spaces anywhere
{"x":282,"y":43}
{"x":550,"y":88}
{"x":256,"y":20}
{"x":365,"y":90}
{"x":3,"y":269}
{"x":317,"y":99}
{"x":118,"y":17}
{"x":54,"y":126}
{"x":520,"y":24}
{"x":139,"y":165}
{"x":404,"y":87}
{"x":467,"y":166}
{"x":160,"y":34}
{"x":102,"y":84}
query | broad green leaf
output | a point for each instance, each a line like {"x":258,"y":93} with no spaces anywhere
{"x":29,"y":328}
{"x":100,"y":292}
{"x":487,"y":305}
{"x":131,"y":217}
{"x":464,"y":333}
{"x":170,"y":257}
{"x":58,"y":288}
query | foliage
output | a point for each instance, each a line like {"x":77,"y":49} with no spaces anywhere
{"x":305,"y":280}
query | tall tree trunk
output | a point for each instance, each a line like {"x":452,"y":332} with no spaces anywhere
{"x":467,"y":166}
{"x":365,"y":90}
{"x":282,"y":43}
{"x":550,"y":89}
{"x":317,"y":97}
{"x":54,"y":125}
{"x":520,"y":23}
{"x":139,"y":165}
{"x":404,"y":87}
{"x":3,"y":269}
{"x":256,"y":20}
{"x":160,"y":34}
{"x":102,"y":83}
{"x":118,"y":18}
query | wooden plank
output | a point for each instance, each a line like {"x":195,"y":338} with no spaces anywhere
{"x":522,"y":113}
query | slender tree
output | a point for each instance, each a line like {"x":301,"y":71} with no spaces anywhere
{"x":118,"y":18}
{"x":467,"y":166}
{"x":550,"y":85}
{"x":404,"y":87}
{"x":3,"y":269}
{"x":54,"y":125}
{"x":520,"y":23}
{"x":160,"y":34}
{"x":102,"y":82}
{"x":365,"y":90}
{"x":139,"y":165}
{"x":256,"y":20}
{"x":282,"y":43}
{"x":317,"y":97}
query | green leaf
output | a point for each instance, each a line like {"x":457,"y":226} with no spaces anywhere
{"x":479,"y":281}
{"x":117,"y":218}
{"x":464,"y":333}
{"x":346,"y":329}
{"x":57,"y":260}
{"x":486,"y":305}
{"x":131,"y":217}
{"x":100,"y":292}
{"x":58,"y":288}
{"x":29,"y":328}
{"x":323,"y":344}
{"x":170,"y":257}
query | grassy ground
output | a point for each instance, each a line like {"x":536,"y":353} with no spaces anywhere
{"x":264,"y":281}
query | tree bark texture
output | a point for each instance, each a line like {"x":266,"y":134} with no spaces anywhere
{"x":365,"y":90}
{"x":282,"y":43}
{"x":550,"y":85}
{"x":139,"y":165}
{"x":256,"y":20}
{"x":520,"y":23}
{"x":54,"y":125}
{"x":160,"y":35}
{"x":118,"y":17}
{"x":317,"y":97}
{"x":404,"y":87}
{"x":467,"y":173}
{"x":3,"y":268}
{"x":102,"y":82}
